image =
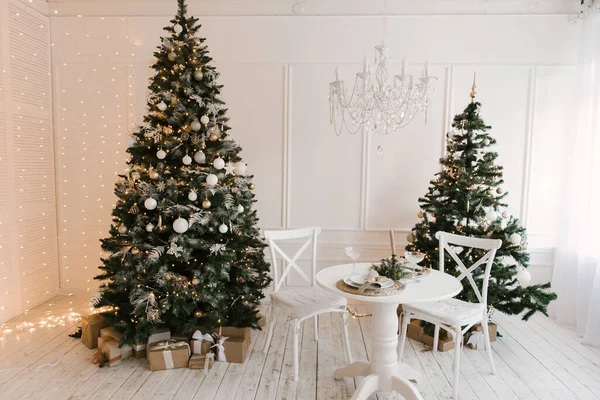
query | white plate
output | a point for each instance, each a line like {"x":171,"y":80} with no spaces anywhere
{"x":352,"y":281}
{"x":358,"y":279}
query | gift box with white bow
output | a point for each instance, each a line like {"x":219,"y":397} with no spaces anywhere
{"x":200,"y":343}
{"x":168,"y":355}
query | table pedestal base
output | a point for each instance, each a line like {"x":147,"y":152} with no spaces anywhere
{"x":384,"y":372}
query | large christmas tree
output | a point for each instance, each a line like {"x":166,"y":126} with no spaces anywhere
{"x":184,"y":249}
{"x":466,"y":198}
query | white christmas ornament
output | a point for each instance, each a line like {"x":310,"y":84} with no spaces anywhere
{"x":198,"y":75}
{"x":161,"y":154}
{"x":486,"y":142}
{"x":161,"y":106}
{"x":240,"y":208}
{"x":131,"y":141}
{"x":180,"y":225}
{"x":219,"y":163}
{"x":212,"y":180}
{"x":187,"y":160}
{"x":505,"y":214}
{"x":223,"y":228}
{"x":491,"y":215}
{"x":122,"y":229}
{"x":240,"y":168}
{"x":195,"y":125}
{"x":200,"y":157}
{"x":515,"y":239}
{"x":204,"y":119}
{"x":193,"y":196}
{"x":149,"y":227}
{"x":178,"y":28}
{"x":150,"y":203}
{"x":524,"y":277}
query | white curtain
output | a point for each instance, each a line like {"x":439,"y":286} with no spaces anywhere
{"x":577,"y":271}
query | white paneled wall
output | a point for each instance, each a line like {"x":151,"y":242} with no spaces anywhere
{"x":28,"y":250}
{"x":276,"y":72}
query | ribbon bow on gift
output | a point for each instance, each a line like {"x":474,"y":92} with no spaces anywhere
{"x":476,"y":340}
{"x":198,"y":337}
{"x":209,"y":356}
{"x":169,"y":344}
{"x":220,"y":348}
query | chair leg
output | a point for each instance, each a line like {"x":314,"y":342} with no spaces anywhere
{"x":436,"y":337}
{"x":316,"y":320}
{"x":402,"y":342}
{"x":271,"y":323}
{"x":346,"y":337}
{"x":488,"y":347}
{"x":458,"y":338}
{"x":296,"y":350}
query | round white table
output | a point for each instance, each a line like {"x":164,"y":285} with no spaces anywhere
{"x":384,"y":372}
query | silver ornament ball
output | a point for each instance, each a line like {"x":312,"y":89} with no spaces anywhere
{"x":161,"y":154}
{"x":187,"y":160}
{"x":223,"y":228}
{"x":204,"y":119}
{"x":180,"y":225}
{"x":192,"y":196}
{"x":150,"y":203}
{"x":162,"y":106}
{"x":149,"y":227}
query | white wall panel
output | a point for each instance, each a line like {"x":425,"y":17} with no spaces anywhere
{"x":325,"y":177}
{"x":504,"y":96}
{"x":276,"y":72}
{"x":402,"y":163}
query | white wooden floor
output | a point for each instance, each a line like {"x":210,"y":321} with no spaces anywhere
{"x":535,"y":360}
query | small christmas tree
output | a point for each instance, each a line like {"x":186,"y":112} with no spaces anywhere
{"x":466,"y":198}
{"x":184,"y":250}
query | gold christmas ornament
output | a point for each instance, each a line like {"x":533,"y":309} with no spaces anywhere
{"x":419,"y":214}
{"x":135,"y":250}
{"x":251,"y":187}
{"x":213,"y":137}
{"x":153,"y":174}
{"x":410,"y":238}
{"x":206,"y":204}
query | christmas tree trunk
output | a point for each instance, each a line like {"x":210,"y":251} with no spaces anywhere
{"x":184,"y":249}
{"x":466,"y":198}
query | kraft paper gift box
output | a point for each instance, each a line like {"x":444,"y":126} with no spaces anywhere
{"x":90,"y":329}
{"x":233,"y":332}
{"x":492,"y":327}
{"x":198,"y":361}
{"x":110,"y":332}
{"x":109,"y":353}
{"x":161,"y":335}
{"x":200,"y":343}
{"x":126,"y":350}
{"x":168,"y":355}
{"x":475,"y":340}
{"x":139,"y":348}
{"x":234,"y":350}
{"x":416,"y":332}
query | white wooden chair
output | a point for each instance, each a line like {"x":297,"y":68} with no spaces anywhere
{"x":304,"y":301}
{"x":453,"y":314}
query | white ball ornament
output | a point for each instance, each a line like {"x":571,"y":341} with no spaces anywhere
{"x":192,"y":196}
{"x":505,"y":214}
{"x":524,"y":277}
{"x":149,"y":227}
{"x":178,"y":28}
{"x":240,"y":208}
{"x":515,"y":239}
{"x":499,"y":191}
{"x":162,"y":106}
{"x":219,"y":163}
{"x":180,"y":225}
{"x":198,"y":75}
{"x":200,"y":157}
{"x":491,"y":215}
{"x":131,"y":141}
{"x":486,"y":142}
{"x":187,"y":160}
{"x":123,"y":229}
{"x":240,"y":168}
{"x":223,"y":228}
{"x":161,"y":154}
{"x":212,"y":179}
{"x":195,"y":125}
{"x":204,"y":119}
{"x":150,"y":203}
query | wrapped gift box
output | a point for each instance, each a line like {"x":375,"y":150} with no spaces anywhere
{"x":168,"y":355}
{"x":139,"y":348}
{"x":198,"y":361}
{"x":90,"y":329}
{"x":232,"y":332}
{"x":236,"y":349}
{"x":111,"y":332}
{"x":492,"y":327}
{"x":126,"y":350}
{"x":161,"y":335}
{"x":416,"y":332}
{"x":109,"y":353}
{"x":200,"y":343}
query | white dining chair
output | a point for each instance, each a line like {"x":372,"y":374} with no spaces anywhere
{"x":454,"y":314}
{"x":303,"y":301}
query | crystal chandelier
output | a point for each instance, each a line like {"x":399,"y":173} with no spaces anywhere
{"x":375,"y":106}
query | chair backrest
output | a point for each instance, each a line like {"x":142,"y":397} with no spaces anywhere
{"x":446,"y":239}
{"x":310,"y":234}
